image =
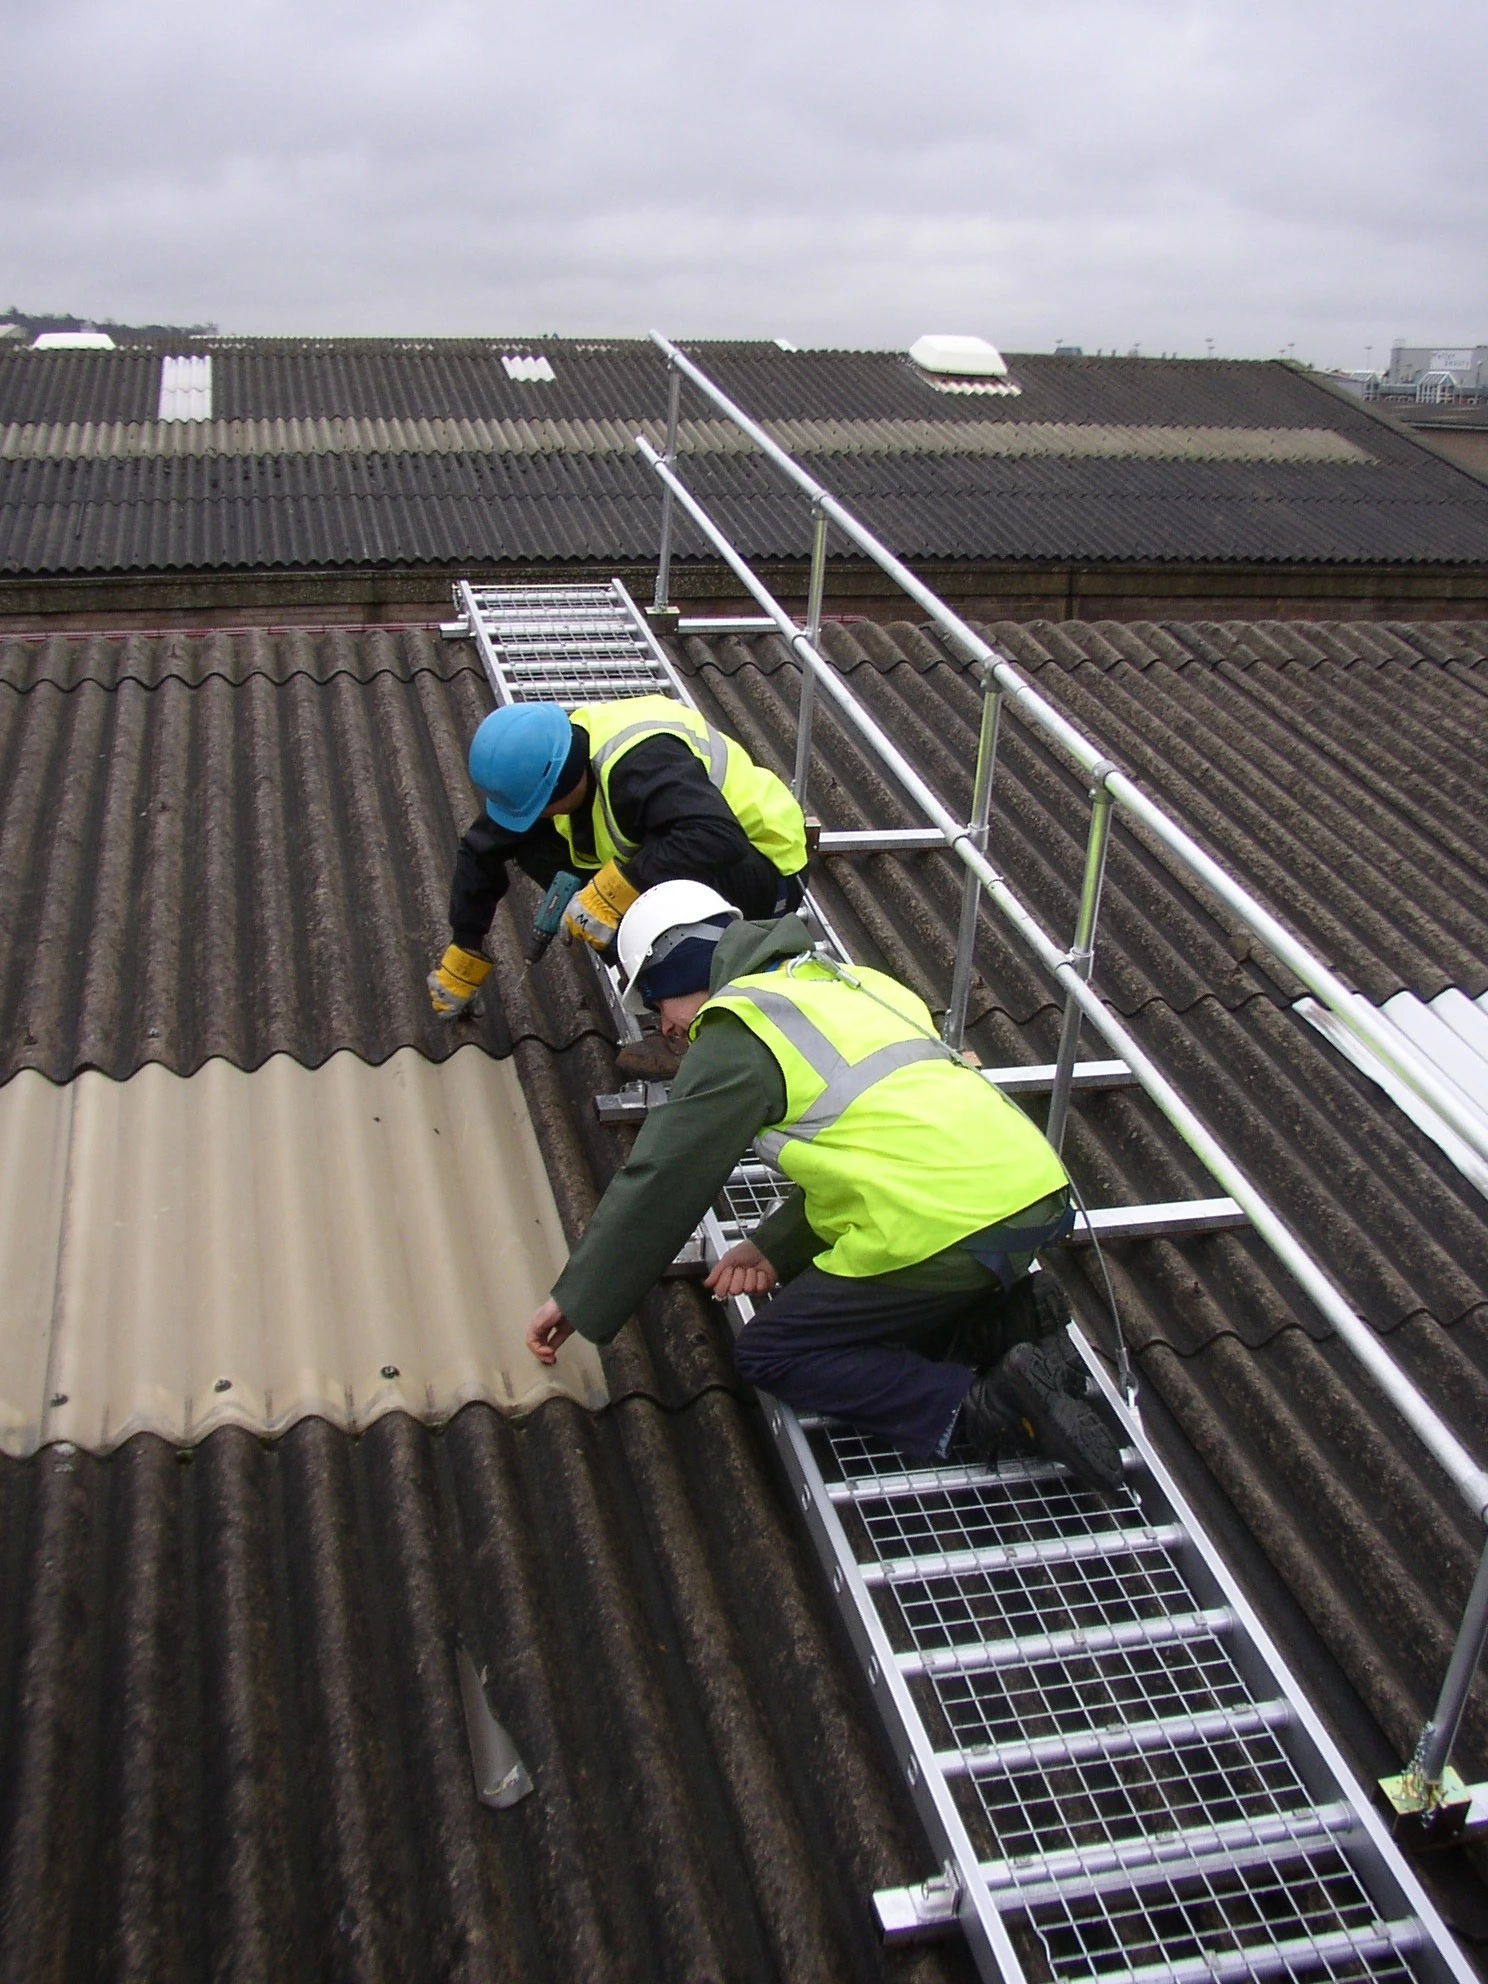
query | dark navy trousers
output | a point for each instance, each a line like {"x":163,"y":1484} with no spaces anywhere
{"x":866,"y":1351}
{"x":891,"y":1360}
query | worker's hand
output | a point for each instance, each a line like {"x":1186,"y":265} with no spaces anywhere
{"x":743,"y":1270}
{"x":548,"y":1329}
{"x":595,"y":912}
{"x":455,"y":980}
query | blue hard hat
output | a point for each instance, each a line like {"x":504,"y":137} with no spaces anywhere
{"x":516,"y":758}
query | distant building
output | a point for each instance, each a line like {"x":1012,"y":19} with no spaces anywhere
{"x":1440,"y":392}
{"x":1436,"y":375}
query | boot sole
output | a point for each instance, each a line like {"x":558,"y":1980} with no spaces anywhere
{"x":1066,"y":1429}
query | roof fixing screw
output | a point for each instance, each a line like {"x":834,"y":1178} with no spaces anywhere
{"x":390,"y":1371}
{"x":223,"y":1385}
{"x":59,"y":1398}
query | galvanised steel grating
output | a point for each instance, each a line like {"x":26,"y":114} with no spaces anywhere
{"x":1118,"y":1775}
{"x":565,"y":644}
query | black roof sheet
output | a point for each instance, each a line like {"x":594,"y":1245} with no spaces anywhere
{"x":229,"y":1738}
{"x":266,"y":502}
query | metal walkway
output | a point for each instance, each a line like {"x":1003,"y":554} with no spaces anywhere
{"x":564,"y":644}
{"x":1118,"y":1776}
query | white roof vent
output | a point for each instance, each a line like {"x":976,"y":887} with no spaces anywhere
{"x":531,"y":370}
{"x":948,"y":355}
{"x":73,"y":341}
{"x":185,"y":388}
{"x":954,"y":364}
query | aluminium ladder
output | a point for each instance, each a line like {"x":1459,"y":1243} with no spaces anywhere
{"x":1119,"y":1778}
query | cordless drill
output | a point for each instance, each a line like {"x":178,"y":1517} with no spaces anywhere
{"x":549,"y":918}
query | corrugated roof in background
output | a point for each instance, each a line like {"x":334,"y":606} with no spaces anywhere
{"x":118,"y":440}
{"x":81,"y":504}
{"x":257,"y":865}
{"x":240,"y":512}
{"x":63,"y":660}
{"x":403,"y":379}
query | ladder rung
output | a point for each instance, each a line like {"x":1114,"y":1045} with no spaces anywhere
{"x":1035,"y":1648}
{"x":1297,"y":1957}
{"x":1122,"y":1739}
{"x":879,"y":840}
{"x":1134,"y":1863}
{"x":1039,"y":1080}
{"x":1152,"y":1222}
{"x":1017,"y":1556}
{"x":727,"y":624}
{"x":940,"y":1480}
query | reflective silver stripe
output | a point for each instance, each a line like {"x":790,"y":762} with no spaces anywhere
{"x":803,"y":1034}
{"x":715,"y":740}
{"x":844,"y":1080}
{"x":844,"y":1089}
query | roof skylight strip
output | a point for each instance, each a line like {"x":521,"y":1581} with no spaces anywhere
{"x":1451,"y":1033}
{"x":186,"y":388}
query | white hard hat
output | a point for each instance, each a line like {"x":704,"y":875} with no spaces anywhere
{"x":656,"y":923}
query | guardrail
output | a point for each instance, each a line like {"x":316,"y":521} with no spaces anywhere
{"x":1110,"y":789}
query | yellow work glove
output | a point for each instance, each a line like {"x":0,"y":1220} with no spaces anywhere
{"x":456,"y":980}
{"x":595,"y":912}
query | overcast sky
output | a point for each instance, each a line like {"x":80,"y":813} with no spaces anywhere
{"x":1262,"y":173}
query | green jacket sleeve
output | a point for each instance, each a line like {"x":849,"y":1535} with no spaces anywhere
{"x":728,"y":1088}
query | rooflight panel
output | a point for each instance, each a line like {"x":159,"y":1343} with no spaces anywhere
{"x":531,"y":371}
{"x":186,"y":388}
{"x":73,"y":341}
{"x":958,"y":357}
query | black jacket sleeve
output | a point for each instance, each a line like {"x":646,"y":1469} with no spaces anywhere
{"x":662,"y":799}
{"x":480,"y":872}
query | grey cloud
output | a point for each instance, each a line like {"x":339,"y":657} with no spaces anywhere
{"x":1101,"y":170}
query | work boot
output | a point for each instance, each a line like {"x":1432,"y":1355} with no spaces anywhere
{"x":653,"y":1058}
{"x":1034,"y":1310}
{"x":1022,"y":1399}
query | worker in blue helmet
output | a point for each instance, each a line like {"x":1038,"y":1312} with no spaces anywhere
{"x":625,"y":795}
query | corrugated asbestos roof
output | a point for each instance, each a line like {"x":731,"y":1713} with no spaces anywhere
{"x":242,"y":1249}
{"x":230,"y":1734}
{"x":351,"y":453}
{"x":181,"y":435}
{"x":231,"y":1739}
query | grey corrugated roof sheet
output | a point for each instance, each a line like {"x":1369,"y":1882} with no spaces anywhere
{"x":230,"y":1737}
{"x":66,"y":508}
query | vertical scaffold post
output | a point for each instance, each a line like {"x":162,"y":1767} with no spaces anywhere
{"x":1082,"y":951}
{"x":664,"y":559}
{"x":815,"y":591}
{"x":1435,"y":1747}
{"x":971,"y":888}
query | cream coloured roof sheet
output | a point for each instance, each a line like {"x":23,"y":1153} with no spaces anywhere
{"x":178,"y":1254}
{"x":343,"y":435}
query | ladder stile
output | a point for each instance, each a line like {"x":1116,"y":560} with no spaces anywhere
{"x":1118,"y":1777}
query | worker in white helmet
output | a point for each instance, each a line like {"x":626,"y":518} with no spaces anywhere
{"x":898,"y":1265}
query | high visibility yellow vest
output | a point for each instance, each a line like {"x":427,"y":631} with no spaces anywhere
{"x":901,"y":1149}
{"x":758,"y":800}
